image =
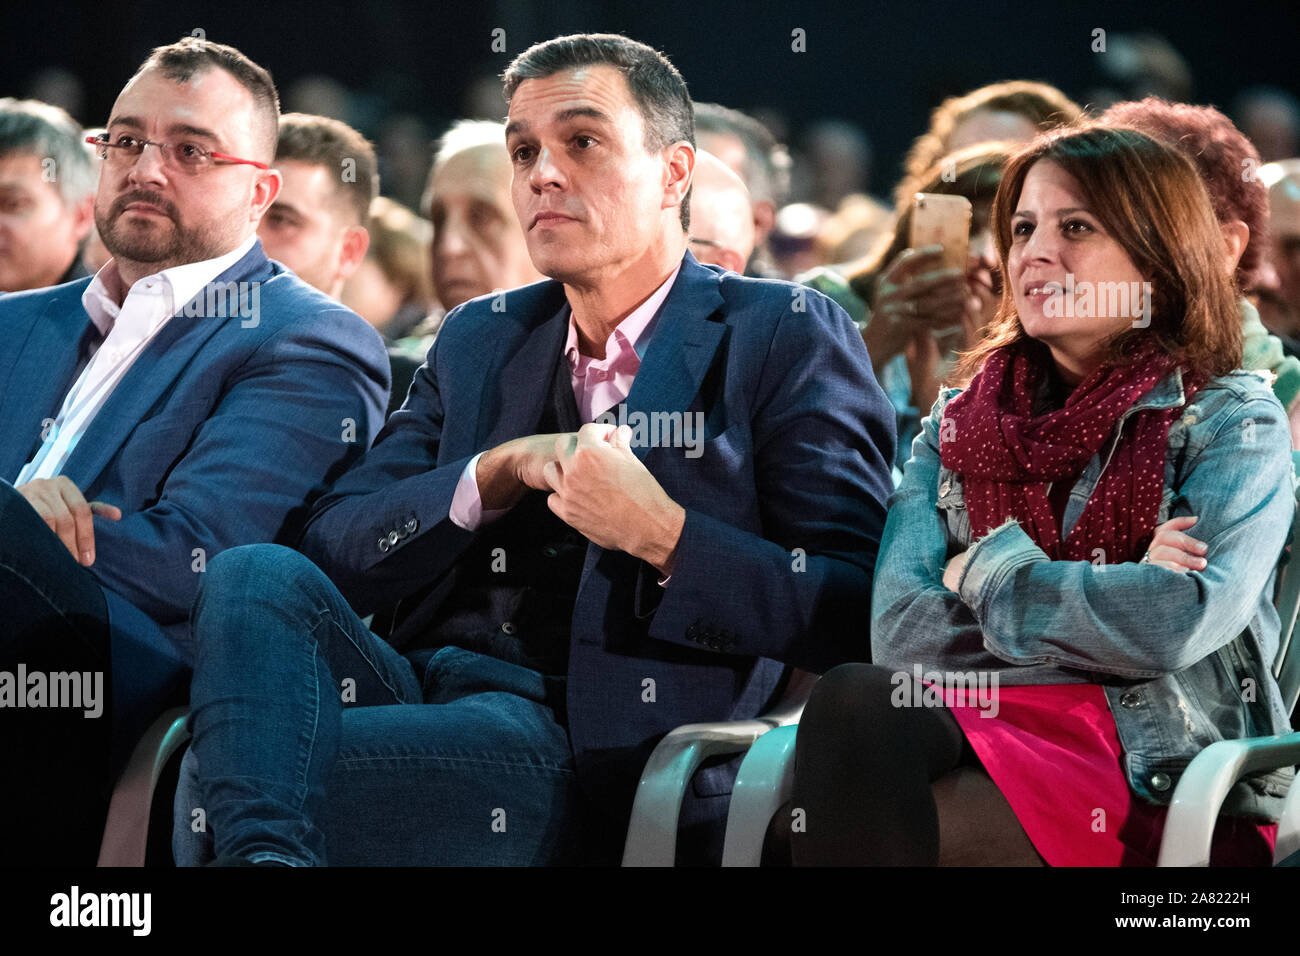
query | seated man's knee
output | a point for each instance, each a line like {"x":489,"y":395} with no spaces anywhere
{"x":252,"y":574}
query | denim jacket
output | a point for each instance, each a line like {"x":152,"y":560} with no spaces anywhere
{"x":1184,"y":658}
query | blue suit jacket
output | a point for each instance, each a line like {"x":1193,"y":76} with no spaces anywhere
{"x":221,"y":433}
{"x":784,"y":506}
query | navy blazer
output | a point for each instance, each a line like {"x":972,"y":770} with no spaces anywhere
{"x":222,"y":432}
{"x":784,"y":506}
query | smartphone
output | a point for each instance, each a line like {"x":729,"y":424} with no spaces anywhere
{"x":939,"y":220}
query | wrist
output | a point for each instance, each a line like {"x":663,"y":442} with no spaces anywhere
{"x":661,"y":550}
{"x":497,"y":476}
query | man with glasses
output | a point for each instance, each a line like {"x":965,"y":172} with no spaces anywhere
{"x":722,"y":217}
{"x":192,"y":397}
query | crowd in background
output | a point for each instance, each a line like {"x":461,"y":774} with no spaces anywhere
{"x":816,"y":200}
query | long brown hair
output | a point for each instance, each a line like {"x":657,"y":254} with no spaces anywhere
{"x":1044,"y":106}
{"x":1150,"y":199}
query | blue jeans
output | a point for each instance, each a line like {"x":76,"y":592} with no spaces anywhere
{"x":314,"y":736}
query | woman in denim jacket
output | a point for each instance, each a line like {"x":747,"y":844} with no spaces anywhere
{"x":1040,"y":612}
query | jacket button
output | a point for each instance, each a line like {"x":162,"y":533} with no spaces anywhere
{"x":550,"y":551}
{"x":1160,"y":781}
{"x":384,"y":545}
{"x":508,"y":627}
{"x":412,"y":525}
{"x":1131,"y":699}
{"x":393,"y":538}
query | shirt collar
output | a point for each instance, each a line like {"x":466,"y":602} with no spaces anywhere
{"x":181,"y":282}
{"x":635,"y":330}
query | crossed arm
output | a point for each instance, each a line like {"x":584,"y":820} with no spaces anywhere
{"x":1006,"y":602}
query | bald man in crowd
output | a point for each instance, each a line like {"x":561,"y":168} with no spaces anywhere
{"x":478,"y":245}
{"x":722,"y":217}
{"x":753,"y":153}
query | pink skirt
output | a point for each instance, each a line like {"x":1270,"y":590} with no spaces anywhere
{"x":1054,"y":753}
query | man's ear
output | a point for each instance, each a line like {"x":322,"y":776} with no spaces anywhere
{"x":356,"y":240}
{"x":731,"y":259}
{"x":83,"y":217}
{"x":1236,"y":234}
{"x":680,"y":165}
{"x":764,"y":221}
{"x":265,"y":188}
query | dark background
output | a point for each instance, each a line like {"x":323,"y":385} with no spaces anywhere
{"x":881,"y":65}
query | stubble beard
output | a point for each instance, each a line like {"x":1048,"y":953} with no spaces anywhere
{"x":154,"y":242}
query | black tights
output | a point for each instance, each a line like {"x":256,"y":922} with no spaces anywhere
{"x":863,"y":773}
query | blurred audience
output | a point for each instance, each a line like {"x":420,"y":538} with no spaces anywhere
{"x":404,"y":143}
{"x":1279,"y":293}
{"x":1011,"y":112}
{"x":1271,"y":118}
{"x":753,"y":154}
{"x":915,"y":314}
{"x":59,"y":87}
{"x":793,"y":242}
{"x":722,"y":217}
{"x":1137,"y":65}
{"x":855,"y":229}
{"x":1224,"y":158}
{"x":835,"y":162}
{"x":317,"y":224}
{"x":391,"y":289}
{"x":478,"y":245}
{"x":47,"y":195}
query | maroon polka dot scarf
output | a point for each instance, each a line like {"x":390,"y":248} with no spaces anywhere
{"x":1006,"y":455}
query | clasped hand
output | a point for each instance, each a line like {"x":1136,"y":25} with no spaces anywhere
{"x":598,"y":487}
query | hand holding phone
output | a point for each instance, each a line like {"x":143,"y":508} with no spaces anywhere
{"x":939,"y":220}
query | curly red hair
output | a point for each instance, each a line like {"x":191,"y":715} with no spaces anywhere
{"x":1224,"y":157}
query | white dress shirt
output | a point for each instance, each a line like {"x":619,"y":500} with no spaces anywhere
{"x":127,"y":331}
{"x":607,"y":381}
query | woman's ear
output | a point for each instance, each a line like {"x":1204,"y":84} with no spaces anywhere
{"x":1236,"y":234}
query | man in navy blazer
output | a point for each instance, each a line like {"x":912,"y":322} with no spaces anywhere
{"x":192,"y":397}
{"x":556,"y":593}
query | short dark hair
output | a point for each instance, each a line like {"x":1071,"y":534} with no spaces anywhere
{"x":657,"y":88}
{"x":322,"y":141}
{"x":179,"y":61}
{"x":767,"y":163}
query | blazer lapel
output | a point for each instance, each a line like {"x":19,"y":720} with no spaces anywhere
{"x":680,"y":353}
{"x":153,"y":374}
{"x":40,"y":377}
{"x":682,"y":347}
{"x":520,"y":386}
